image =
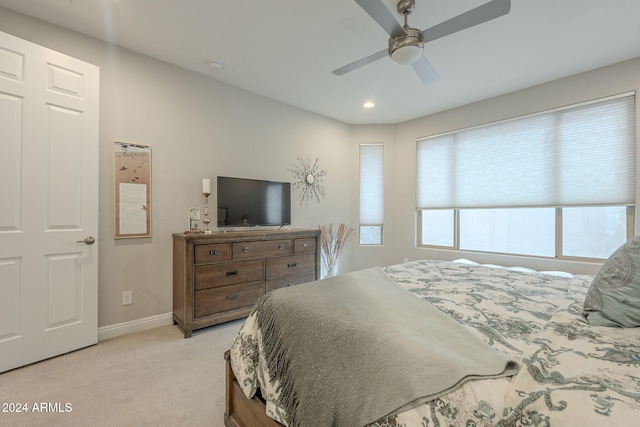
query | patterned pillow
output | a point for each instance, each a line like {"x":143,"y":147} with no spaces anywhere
{"x":614,"y":296}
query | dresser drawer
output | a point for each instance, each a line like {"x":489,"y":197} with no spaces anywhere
{"x":228,"y":273}
{"x":289,"y":265}
{"x":261,"y":249}
{"x":303,"y":246}
{"x":215,"y":300}
{"x":212,"y":253}
{"x":282,"y":282}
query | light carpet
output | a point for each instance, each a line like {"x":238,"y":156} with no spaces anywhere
{"x":149,"y":378}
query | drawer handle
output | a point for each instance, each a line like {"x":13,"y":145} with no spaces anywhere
{"x":292,"y":284}
{"x":293,"y":264}
{"x":232,"y":273}
{"x":282,"y":246}
{"x":232,"y":296}
{"x":245,"y":249}
{"x":213,"y":252}
{"x":305,"y":245}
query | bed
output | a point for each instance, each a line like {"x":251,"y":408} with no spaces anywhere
{"x":568,"y":371}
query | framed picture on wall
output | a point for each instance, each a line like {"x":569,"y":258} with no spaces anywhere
{"x":132,"y":178}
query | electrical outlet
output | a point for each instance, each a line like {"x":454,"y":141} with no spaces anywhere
{"x":127,"y":298}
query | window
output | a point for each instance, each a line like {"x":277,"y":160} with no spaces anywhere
{"x":560,"y":183}
{"x":517,"y":231}
{"x":595,"y":232}
{"x":437,"y":227}
{"x":371,"y":193}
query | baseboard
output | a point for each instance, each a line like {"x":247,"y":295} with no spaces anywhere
{"x":112,"y":331}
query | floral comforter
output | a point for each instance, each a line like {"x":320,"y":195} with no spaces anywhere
{"x":573,"y":374}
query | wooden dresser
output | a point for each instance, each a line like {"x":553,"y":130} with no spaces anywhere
{"x":218,"y":277}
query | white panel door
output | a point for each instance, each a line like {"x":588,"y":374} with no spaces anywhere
{"x":48,"y":203}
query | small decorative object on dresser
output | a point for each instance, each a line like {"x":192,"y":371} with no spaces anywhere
{"x":218,"y":277}
{"x":206,"y":192}
{"x":194,"y":219}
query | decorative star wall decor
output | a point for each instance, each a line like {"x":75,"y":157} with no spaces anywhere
{"x":308,"y":179}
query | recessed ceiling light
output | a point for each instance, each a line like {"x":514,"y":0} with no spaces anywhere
{"x":215,"y":65}
{"x":368,"y":104}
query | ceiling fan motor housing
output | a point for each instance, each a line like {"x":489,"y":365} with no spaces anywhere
{"x":406,"y":48}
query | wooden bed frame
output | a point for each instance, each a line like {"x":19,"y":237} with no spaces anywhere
{"x":240,"y":411}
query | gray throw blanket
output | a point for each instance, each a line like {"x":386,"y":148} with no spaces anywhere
{"x":356,"y":348}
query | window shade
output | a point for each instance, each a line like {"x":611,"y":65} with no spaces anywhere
{"x":371,"y":184}
{"x":582,"y":155}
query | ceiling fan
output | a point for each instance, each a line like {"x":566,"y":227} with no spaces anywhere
{"x":406,"y":43}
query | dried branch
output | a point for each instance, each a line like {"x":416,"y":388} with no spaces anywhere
{"x":333,"y":243}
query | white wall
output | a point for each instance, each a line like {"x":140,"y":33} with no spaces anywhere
{"x":197,"y":128}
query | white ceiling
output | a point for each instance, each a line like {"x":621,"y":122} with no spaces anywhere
{"x":286,"y":49}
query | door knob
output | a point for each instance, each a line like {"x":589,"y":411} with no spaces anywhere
{"x":89,"y":240}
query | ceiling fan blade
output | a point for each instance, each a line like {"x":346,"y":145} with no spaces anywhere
{"x":382,"y":16}
{"x":473,"y":17}
{"x":360,"y":63}
{"x":425,"y":70}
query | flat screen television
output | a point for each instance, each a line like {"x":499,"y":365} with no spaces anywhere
{"x":246,"y":202}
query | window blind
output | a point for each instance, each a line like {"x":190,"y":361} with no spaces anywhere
{"x":576,"y":156}
{"x":371,"y":184}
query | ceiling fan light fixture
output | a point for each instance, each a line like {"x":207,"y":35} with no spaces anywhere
{"x":406,"y":55}
{"x":406,"y":48}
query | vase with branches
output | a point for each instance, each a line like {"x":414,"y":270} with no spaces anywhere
{"x":332,"y":243}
